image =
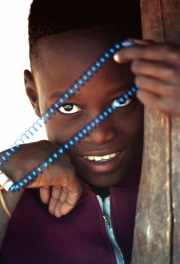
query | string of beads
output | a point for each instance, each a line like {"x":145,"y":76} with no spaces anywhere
{"x":75,"y":87}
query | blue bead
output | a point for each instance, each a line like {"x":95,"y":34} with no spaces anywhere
{"x":133,"y":89}
{"x":130,"y":93}
{"x":47,"y":115}
{"x":126,"y":96}
{"x":88,"y":128}
{"x":25,"y":181}
{"x":93,"y":68}
{"x":89,"y":73}
{"x":110,"y":110}
{"x":80,"y":82}
{"x":98,"y":64}
{"x":34,"y":173}
{"x":137,"y":86}
{"x":114,"y":107}
{"x":66,"y":95}
{"x":71,"y":91}
{"x":50,"y":160}
{"x":1,"y":164}
{"x":66,"y":146}
{"x":127,"y":43}
{"x":71,"y":142}
{"x":85,"y":131}
{"x":107,"y":55}
{"x":4,"y":158}
{"x":61,"y":101}
{"x":52,"y":111}
{"x":8,"y":154}
{"x":21,"y":184}
{"x":117,"y":46}
{"x":93,"y":124}
{"x":76,"y":87}
{"x":97,"y":121}
{"x":17,"y":187}
{"x":80,"y":135}
{"x":45,"y":164}
{"x":103,"y":60}
{"x":61,"y":150}
{"x":13,"y":150}
{"x":55,"y":155}
{"x":76,"y":139}
{"x":12,"y":189}
{"x":105,"y":113}
{"x":101,"y":117}
{"x":85,"y":78}
{"x":112,"y":50}
{"x":30,"y":177}
{"x":122,"y":100}
{"x":56,"y":105}
{"x":39,"y":169}
{"x":44,"y":121}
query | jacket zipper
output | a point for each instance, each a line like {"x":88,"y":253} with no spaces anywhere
{"x":105,"y":208}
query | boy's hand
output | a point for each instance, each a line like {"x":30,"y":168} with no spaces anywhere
{"x":59,"y":185}
{"x":157,"y":73}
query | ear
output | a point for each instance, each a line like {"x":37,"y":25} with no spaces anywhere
{"x":31,"y":91}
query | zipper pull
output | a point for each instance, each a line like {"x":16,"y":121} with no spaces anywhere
{"x":107,"y":220}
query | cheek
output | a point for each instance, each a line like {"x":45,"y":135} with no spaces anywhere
{"x":59,"y":132}
{"x":132,"y":125}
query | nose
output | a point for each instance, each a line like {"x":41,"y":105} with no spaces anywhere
{"x":102,"y":133}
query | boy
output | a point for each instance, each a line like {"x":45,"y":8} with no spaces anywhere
{"x":106,"y":162}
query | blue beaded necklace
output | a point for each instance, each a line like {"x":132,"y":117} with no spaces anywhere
{"x":75,"y":87}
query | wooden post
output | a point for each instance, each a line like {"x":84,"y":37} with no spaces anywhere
{"x":157,"y":228}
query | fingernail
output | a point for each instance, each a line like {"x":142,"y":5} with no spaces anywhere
{"x":116,"y":57}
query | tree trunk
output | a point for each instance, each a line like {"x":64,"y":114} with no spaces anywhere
{"x":157,"y":228}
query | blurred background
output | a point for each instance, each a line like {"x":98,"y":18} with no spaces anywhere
{"x":16,"y":112}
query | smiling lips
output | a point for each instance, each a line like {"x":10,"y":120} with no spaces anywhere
{"x":101,"y":158}
{"x":103,"y":164}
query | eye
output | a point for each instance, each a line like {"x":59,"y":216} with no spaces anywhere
{"x":121,"y":102}
{"x":69,"y":109}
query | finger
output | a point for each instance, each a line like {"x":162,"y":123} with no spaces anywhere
{"x":45,"y":194}
{"x":157,"y":52}
{"x":55,"y":195}
{"x":66,"y":202}
{"x":158,"y":70}
{"x":62,"y":201}
{"x":142,"y":41}
{"x":165,"y":105}
{"x":155,"y":86}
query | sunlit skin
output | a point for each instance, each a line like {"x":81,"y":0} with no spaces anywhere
{"x":61,"y":61}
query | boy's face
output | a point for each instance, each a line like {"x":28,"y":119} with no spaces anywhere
{"x":104,"y":156}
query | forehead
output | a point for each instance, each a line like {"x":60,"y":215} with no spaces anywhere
{"x":83,"y":46}
{"x":65,"y":57}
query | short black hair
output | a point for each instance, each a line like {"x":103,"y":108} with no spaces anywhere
{"x":49,"y":17}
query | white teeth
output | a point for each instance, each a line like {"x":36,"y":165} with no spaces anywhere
{"x":96,"y":158}
{"x":101,"y":158}
{"x":113,"y":155}
{"x":90,"y":157}
{"x":106,"y":157}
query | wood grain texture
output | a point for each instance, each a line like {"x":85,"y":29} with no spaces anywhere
{"x":171,"y":17}
{"x":175,"y":163}
{"x":157,"y":229}
{"x":152,"y":234}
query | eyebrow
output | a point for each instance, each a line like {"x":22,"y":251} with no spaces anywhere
{"x":119,"y":89}
{"x":56,"y":95}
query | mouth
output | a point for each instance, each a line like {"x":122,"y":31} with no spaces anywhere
{"x":103,"y":163}
{"x":102,"y":158}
